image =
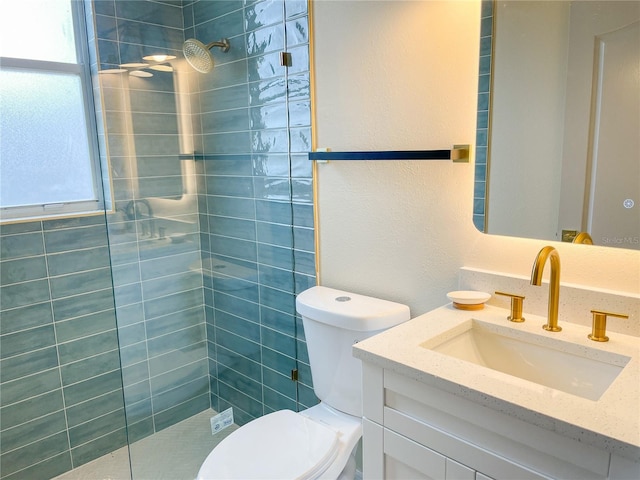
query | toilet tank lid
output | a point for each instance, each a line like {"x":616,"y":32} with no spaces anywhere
{"x":350,"y":310}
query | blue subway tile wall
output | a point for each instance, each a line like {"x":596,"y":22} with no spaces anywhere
{"x":484,"y":105}
{"x":154,"y":230}
{"x":61,"y":400}
{"x":256,"y":203}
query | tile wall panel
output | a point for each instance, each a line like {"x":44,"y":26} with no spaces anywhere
{"x":57,"y":342}
{"x":257,"y":224}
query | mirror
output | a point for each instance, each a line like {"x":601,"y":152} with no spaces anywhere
{"x":558,"y":150}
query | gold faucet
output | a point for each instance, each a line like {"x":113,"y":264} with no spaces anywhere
{"x":554,"y":283}
{"x":583,"y":237}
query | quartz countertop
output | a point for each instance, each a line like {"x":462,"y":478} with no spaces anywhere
{"x":611,"y":423}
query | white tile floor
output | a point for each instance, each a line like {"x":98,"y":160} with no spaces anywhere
{"x":175,"y":453}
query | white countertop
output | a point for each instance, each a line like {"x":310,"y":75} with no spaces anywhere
{"x":611,"y":423}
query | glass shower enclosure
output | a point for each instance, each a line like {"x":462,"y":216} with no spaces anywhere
{"x":179,"y":301}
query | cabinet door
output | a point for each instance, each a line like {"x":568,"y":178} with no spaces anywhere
{"x":406,"y":459}
{"x":457,"y":471}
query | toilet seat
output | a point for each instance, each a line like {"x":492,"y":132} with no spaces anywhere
{"x":279,"y":445}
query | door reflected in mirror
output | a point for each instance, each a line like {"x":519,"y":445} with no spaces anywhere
{"x":558,"y":147}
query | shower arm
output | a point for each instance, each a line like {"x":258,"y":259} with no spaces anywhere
{"x":223,"y":44}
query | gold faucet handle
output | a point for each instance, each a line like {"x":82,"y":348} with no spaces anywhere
{"x":599,"y":324}
{"x":516,"y":306}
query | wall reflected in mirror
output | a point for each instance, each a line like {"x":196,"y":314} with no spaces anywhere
{"x":558,"y":148}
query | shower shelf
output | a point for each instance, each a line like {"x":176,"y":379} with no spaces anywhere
{"x":459,"y":153}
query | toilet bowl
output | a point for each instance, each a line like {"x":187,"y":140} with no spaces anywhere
{"x":319,"y":442}
{"x":315,"y":443}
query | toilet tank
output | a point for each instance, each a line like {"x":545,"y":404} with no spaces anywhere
{"x":333,"y":321}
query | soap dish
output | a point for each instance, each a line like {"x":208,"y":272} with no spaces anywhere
{"x":468,"y":299}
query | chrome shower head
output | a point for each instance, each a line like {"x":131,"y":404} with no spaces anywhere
{"x":199,"y":56}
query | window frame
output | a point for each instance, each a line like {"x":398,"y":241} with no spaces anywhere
{"x":82,"y":69}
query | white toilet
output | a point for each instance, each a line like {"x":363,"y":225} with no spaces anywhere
{"x":317,"y":443}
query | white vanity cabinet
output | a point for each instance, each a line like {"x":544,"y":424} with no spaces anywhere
{"x":413,"y":430}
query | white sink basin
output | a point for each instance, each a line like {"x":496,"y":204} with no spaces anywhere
{"x":568,"y":367}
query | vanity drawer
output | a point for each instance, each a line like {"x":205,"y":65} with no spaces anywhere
{"x":486,"y":440}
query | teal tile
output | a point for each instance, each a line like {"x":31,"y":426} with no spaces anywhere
{"x":240,"y":401}
{"x":87,"y":346}
{"x":264,"y":13}
{"x":279,"y":321}
{"x":275,"y":340}
{"x":276,"y":278}
{"x":305,"y":262}
{"x":185,"y":355}
{"x":22,"y":294}
{"x":39,"y":360}
{"x":277,"y":361}
{"x":133,"y":354}
{"x":33,"y":453}
{"x":69,"y":262}
{"x":22,"y":270}
{"x":27,"y":341}
{"x":241,"y":383}
{"x":235,"y":343}
{"x":297,"y":32}
{"x":227,"y":143}
{"x":293,"y":8}
{"x":96,"y":427}
{"x":26,"y":317}
{"x":272,"y":188}
{"x":49,"y":468}
{"x":180,"y":376}
{"x":84,"y":304}
{"x":239,"y":326}
{"x":183,"y":393}
{"x":73,"y":222}
{"x":33,"y":431}
{"x":181,"y":412}
{"x":279,"y":382}
{"x":125,"y":274}
{"x":99,"y":447}
{"x":275,"y":401}
{"x":235,"y":248}
{"x":173,"y":322}
{"x":23,"y":412}
{"x":94,"y":387}
{"x":26,"y":387}
{"x":160,"y":13}
{"x":234,"y":227}
{"x":85,"y":326}
{"x":173,"y":303}
{"x":176,"y":340}
{"x":95,"y":407}
{"x":231,"y":207}
{"x":138,"y":392}
{"x":135,"y":373}
{"x":298,"y":86}
{"x":75,"y":238}
{"x":130,"y":314}
{"x":139,"y":411}
{"x":235,"y":96}
{"x":237,"y":306}
{"x":226,"y":121}
{"x":91,"y":367}
{"x":148,"y":34}
{"x":270,"y":141}
{"x":169,"y":285}
{"x":18,"y":246}
{"x":304,"y":239}
{"x":131,"y":334}
{"x":127,"y":295}
{"x":267,"y":91}
{"x":77,"y":283}
{"x":275,"y":256}
{"x":173,"y":264}
{"x":139,"y":430}
{"x":274,"y":212}
{"x":271,"y":165}
{"x":15,"y":228}
{"x":223,"y":26}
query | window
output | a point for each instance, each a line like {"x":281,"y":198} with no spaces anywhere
{"x":48,"y":153}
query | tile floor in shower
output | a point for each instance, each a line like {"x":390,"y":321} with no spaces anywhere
{"x":174,"y":453}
